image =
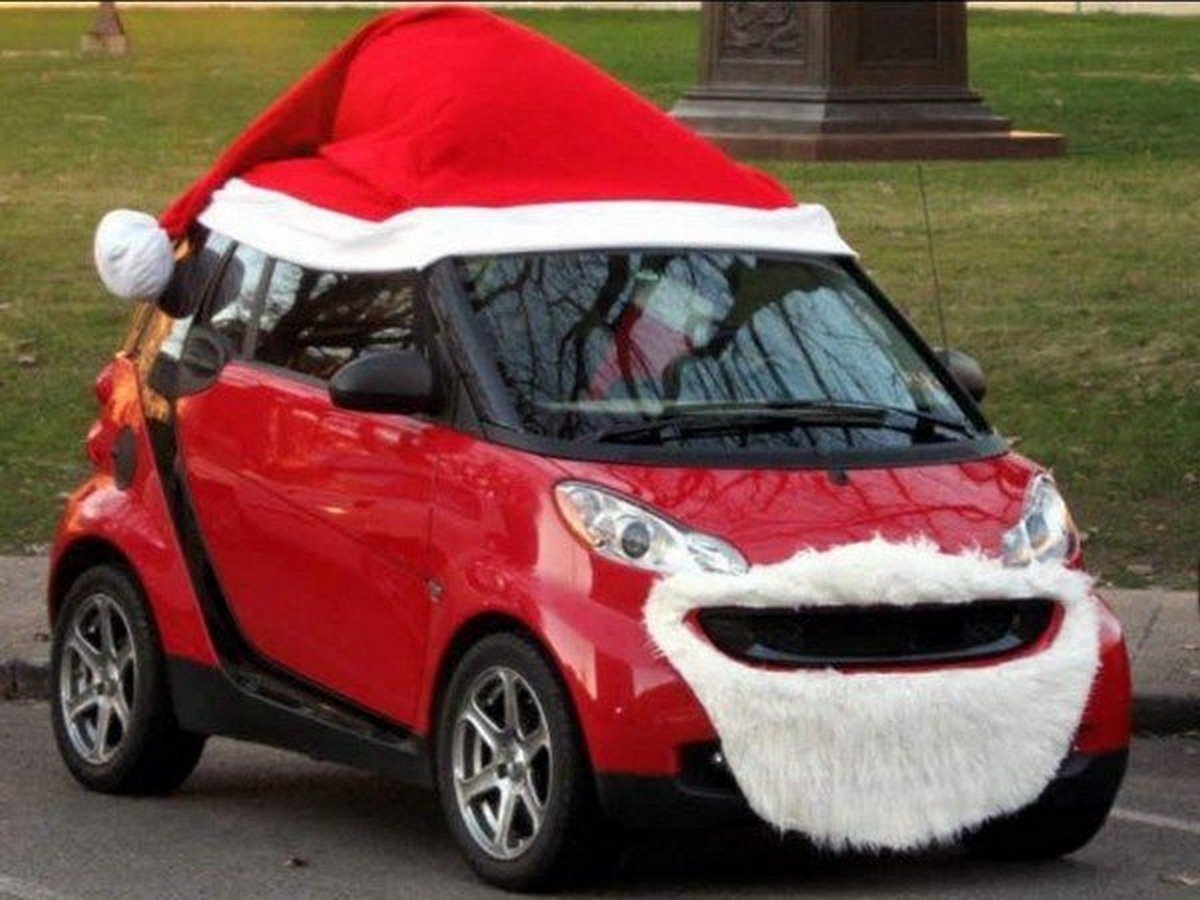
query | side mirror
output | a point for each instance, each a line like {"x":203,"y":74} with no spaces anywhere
{"x":966,"y":371}
{"x":399,"y":381}
{"x":203,"y":355}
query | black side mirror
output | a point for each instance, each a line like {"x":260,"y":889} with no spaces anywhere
{"x":966,"y":371}
{"x":204,"y":354}
{"x":399,"y":381}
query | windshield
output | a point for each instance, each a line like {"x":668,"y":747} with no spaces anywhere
{"x":591,"y":345}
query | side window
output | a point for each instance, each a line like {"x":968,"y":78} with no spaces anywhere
{"x":232,"y":304}
{"x":316,"y":322}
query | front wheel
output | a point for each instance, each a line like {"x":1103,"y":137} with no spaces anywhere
{"x":111,"y":706}
{"x":512,"y":774}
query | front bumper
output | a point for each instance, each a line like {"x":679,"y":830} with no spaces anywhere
{"x":638,"y":714}
{"x":703,"y":795}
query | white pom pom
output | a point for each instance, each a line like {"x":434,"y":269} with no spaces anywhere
{"x":133,"y":255}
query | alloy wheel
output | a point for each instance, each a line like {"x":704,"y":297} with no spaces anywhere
{"x":502,"y":763}
{"x":98,"y":679}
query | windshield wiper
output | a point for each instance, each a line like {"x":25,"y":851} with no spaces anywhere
{"x":707,"y":420}
{"x":718,"y":418}
{"x":853,"y":406}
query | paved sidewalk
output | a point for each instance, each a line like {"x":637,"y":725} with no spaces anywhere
{"x":1162,"y":629}
{"x":24,"y":632}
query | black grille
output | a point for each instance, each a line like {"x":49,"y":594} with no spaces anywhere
{"x":892,"y":636}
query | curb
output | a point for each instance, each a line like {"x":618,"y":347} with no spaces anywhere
{"x":22,"y":680}
{"x":1160,"y":715}
{"x":1154,"y":715}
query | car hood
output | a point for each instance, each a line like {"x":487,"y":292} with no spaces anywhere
{"x":771,"y":514}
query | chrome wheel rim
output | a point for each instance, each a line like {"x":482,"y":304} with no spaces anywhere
{"x":97,"y":679}
{"x":502,"y":762}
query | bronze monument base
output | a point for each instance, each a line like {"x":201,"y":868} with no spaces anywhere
{"x":893,"y":145}
{"x":104,"y":43}
{"x":106,"y":34}
{"x":846,"y":80}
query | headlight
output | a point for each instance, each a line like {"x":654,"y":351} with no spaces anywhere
{"x":1046,"y":531}
{"x":622,"y":530}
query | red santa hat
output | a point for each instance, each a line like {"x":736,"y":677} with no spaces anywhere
{"x":449,"y":130}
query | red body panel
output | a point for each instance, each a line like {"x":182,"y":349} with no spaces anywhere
{"x":326,"y":528}
{"x":498,"y":543}
{"x":770,"y":514}
{"x":135,"y":521}
{"x":1106,"y":721}
{"x":317,"y":522}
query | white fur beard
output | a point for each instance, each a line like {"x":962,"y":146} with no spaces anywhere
{"x":897,"y":759}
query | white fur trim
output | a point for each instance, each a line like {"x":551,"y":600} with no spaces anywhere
{"x":133,"y":255}
{"x":886,"y":759}
{"x":309,"y":235}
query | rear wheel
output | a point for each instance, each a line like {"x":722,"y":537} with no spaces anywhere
{"x":513,"y":777}
{"x":111,"y":707}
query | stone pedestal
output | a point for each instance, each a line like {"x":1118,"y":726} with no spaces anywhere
{"x":846,"y":80}
{"x":106,"y":34}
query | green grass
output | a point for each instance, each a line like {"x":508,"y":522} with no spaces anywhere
{"x":1074,"y":281}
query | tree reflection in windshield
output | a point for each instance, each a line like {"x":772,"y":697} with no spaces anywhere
{"x":584,"y":340}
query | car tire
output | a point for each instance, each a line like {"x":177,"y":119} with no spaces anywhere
{"x":110,"y":702}
{"x":569,"y":840}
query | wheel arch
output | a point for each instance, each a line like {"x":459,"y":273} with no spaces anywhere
{"x":470,"y":633}
{"x":82,"y":554}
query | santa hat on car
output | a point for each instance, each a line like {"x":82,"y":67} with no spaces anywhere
{"x":449,"y":130}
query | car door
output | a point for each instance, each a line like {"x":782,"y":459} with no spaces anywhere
{"x":315,"y":518}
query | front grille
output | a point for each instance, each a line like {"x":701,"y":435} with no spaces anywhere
{"x":877,"y":636}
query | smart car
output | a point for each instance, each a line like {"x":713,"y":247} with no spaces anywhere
{"x":502,"y":436}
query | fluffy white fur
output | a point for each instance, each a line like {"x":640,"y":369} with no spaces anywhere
{"x":886,"y":760}
{"x":309,"y":235}
{"x":133,"y":255}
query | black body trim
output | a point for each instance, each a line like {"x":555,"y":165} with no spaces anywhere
{"x":650,"y":801}
{"x":1086,"y":777}
{"x":968,"y":450}
{"x":210,"y":701}
{"x":659,"y":801}
{"x":124,"y":454}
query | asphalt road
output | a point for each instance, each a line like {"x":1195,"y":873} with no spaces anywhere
{"x":257,"y":823}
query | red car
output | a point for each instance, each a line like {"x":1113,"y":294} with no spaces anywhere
{"x":500,"y":435}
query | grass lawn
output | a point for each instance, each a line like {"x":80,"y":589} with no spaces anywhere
{"x":1076,"y":281}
